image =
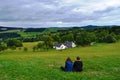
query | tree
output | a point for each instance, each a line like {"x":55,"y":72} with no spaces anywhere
{"x":85,"y":38}
{"x":56,"y":38}
{"x":106,"y":36}
{"x":14,"y":43}
{"x":110,"y":38}
{"x":40,"y":46}
{"x":2,"y":47}
{"x":68,"y":37}
{"x":25,"y":49}
{"x":48,"y":41}
{"x":101,"y":36}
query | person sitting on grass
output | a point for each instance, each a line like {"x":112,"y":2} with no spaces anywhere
{"x":78,"y":65}
{"x":68,"y":65}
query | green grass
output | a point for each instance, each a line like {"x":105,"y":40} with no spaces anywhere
{"x":9,"y":31}
{"x":101,"y":62}
{"x":47,"y":31}
{"x":27,"y":34}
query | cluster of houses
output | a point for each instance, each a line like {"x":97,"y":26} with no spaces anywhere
{"x":67,"y":44}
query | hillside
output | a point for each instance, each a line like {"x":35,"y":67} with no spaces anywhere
{"x":101,"y":62}
{"x":2,"y":28}
{"x":53,"y":29}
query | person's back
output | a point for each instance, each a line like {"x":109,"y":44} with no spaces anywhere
{"x":68,"y":66}
{"x":78,"y":65}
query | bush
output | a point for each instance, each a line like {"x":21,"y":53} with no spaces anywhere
{"x":14,"y":43}
{"x":25,"y":49}
{"x":85,"y":38}
{"x":3,"y":47}
{"x":110,"y":39}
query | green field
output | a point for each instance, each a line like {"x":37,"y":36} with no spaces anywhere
{"x":101,"y":62}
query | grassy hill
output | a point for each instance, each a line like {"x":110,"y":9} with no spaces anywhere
{"x":46,"y":31}
{"x":101,"y":62}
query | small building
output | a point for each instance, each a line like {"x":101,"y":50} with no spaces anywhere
{"x":69,"y":44}
{"x":59,"y":46}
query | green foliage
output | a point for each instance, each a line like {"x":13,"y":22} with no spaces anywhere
{"x":29,"y":39}
{"x":13,"y":47}
{"x":11,"y":43}
{"x":48,"y":41}
{"x":35,"y":48}
{"x":41,"y":45}
{"x":105,"y":36}
{"x":67,"y":37}
{"x":110,"y":39}
{"x":85,"y":38}
{"x":44,"y":45}
{"x":101,"y":36}
{"x":81,"y":36}
{"x":9,"y":35}
{"x":56,"y":38}
{"x":2,"y":46}
{"x":34,"y":29}
{"x":25,"y":49}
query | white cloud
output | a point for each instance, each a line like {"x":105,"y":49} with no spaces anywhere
{"x":97,"y":6}
{"x":58,"y":12}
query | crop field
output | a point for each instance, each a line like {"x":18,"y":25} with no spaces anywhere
{"x":101,"y":62}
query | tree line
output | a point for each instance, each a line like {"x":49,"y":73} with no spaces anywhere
{"x":9,"y":35}
{"x":82,"y":37}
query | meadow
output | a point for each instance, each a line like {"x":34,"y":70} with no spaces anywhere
{"x":101,"y":62}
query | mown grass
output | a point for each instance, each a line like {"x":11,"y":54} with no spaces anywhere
{"x":101,"y":62}
{"x":28,"y":34}
{"x":9,"y":31}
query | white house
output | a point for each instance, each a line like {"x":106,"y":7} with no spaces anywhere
{"x":67,"y":44}
{"x":59,"y":46}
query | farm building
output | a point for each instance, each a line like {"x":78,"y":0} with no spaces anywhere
{"x":67,"y":44}
{"x":59,"y":46}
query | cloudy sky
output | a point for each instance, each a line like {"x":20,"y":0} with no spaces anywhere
{"x":59,"y":13}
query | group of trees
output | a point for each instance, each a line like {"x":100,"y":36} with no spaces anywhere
{"x":9,"y":35}
{"x":10,"y":43}
{"x":13,"y":43}
{"x":2,"y":46}
{"x":82,"y":37}
{"x":35,"y":29}
{"x":46,"y":43}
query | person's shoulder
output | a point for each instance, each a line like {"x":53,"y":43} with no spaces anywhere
{"x":75,"y":61}
{"x":79,"y":61}
{"x":69,"y":62}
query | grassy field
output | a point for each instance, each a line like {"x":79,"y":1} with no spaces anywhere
{"x":26,"y":34}
{"x":101,"y":62}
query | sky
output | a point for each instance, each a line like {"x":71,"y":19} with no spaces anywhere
{"x":59,"y":13}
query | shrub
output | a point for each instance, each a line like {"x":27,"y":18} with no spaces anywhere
{"x":25,"y":49}
{"x":14,"y":43}
{"x":3,"y":47}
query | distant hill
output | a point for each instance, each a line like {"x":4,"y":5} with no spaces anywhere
{"x":2,"y":28}
{"x":94,"y":26}
{"x":34,"y":29}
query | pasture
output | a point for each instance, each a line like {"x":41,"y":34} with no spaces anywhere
{"x":101,"y":62}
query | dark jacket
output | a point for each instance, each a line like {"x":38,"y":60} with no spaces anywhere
{"x":68,"y":66}
{"x":78,"y":66}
